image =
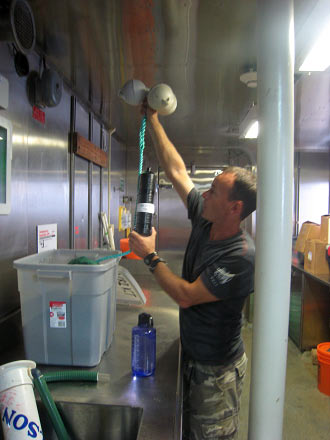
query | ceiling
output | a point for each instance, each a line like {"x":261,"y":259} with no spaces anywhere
{"x":199,"y":47}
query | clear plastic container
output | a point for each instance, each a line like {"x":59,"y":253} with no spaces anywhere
{"x":144,"y":346}
{"x":68,"y":310}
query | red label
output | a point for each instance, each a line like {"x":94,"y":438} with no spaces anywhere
{"x":56,"y":303}
{"x":38,"y":114}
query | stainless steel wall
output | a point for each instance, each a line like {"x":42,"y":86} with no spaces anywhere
{"x":312,"y":130}
{"x":40,"y":187}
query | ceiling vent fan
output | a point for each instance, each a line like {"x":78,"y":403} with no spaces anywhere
{"x":17,"y":25}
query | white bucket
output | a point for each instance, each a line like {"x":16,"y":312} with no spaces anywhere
{"x":18,"y":408}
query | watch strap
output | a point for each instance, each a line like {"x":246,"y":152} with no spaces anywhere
{"x":149,"y":258}
{"x":154,"y":263}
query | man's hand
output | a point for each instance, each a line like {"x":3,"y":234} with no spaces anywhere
{"x":152,"y":115}
{"x":142,"y":246}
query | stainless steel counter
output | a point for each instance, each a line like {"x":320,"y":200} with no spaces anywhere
{"x":158,"y":395}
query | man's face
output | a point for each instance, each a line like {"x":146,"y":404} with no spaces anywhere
{"x":216,"y":206}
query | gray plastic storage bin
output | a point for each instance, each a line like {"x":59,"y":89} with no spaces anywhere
{"x":68,"y":311}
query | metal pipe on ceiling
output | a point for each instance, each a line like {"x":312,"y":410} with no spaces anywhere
{"x":274,"y":218}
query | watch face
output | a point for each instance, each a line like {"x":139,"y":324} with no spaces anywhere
{"x":149,"y":257}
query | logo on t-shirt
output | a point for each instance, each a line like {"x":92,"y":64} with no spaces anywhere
{"x":221,"y":276}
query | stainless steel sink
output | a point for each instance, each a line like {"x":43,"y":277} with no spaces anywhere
{"x":93,"y":421}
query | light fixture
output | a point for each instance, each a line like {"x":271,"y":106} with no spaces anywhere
{"x":253,"y":131}
{"x":318,"y":58}
{"x":249,"y":78}
{"x":249,"y":127}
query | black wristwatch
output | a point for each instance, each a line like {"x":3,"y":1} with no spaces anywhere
{"x":154,"y":263}
{"x":149,"y":258}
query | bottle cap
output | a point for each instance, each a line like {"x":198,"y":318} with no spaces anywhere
{"x":145,"y":320}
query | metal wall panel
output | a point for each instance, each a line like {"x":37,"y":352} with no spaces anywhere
{"x":96,"y":189}
{"x":81,"y":186}
{"x":118,"y":172}
{"x":39,"y":184}
{"x":48,"y":191}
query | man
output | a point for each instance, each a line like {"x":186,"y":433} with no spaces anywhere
{"x":217,"y":277}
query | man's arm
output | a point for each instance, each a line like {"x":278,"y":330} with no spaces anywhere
{"x":168,"y":157}
{"x":184,"y":293}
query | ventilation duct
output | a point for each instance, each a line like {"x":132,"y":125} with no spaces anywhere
{"x":17,"y":25}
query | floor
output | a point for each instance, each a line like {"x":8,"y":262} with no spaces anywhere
{"x":307,"y":410}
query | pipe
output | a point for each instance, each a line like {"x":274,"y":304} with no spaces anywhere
{"x":274,"y":218}
{"x":111,"y":132}
{"x":41,"y":385}
{"x":90,"y":186}
{"x":297,"y":196}
{"x":75,"y":375}
{"x":110,"y":230}
{"x":101,"y":192}
{"x":72,"y":171}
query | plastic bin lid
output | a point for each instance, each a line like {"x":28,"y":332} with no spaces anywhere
{"x":59,"y":260}
{"x":128,"y":290}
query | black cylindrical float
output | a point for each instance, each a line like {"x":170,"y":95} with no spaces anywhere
{"x":145,"y":202}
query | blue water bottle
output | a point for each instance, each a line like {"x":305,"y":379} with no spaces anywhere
{"x":144,"y":346}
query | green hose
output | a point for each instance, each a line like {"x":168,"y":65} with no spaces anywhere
{"x":71,"y":375}
{"x":41,"y":385}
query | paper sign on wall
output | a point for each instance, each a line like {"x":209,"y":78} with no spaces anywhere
{"x":46,"y":237}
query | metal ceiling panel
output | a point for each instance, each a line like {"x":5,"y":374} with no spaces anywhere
{"x":199,"y":47}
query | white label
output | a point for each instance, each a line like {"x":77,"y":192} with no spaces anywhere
{"x":47,"y":237}
{"x":310,"y":256}
{"x":146,"y":207}
{"x":57,"y":314}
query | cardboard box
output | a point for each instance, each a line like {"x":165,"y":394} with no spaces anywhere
{"x":308,"y":231}
{"x":325,"y":228}
{"x":315,"y":257}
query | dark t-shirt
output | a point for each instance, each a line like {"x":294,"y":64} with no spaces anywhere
{"x":211,"y":332}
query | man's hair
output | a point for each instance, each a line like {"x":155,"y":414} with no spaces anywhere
{"x":244,"y":189}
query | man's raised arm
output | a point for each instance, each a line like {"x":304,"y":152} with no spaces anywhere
{"x":168,"y":157}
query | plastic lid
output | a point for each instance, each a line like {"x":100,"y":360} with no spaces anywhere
{"x":145,"y":320}
{"x":324,"y":349}
{"x":15,"y":373}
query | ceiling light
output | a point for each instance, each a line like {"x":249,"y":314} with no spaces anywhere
{"x":318,"y":59}
{"x":248,"y":129}
{"x":249,"y":78}
{"x":253,"y":130}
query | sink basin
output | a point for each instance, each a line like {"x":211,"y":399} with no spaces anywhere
{"x":93,"y":421}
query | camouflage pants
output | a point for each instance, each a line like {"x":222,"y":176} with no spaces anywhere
{"x":211,"y":400}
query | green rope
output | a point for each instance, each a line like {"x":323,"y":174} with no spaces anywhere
{"x":141,"y":145}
